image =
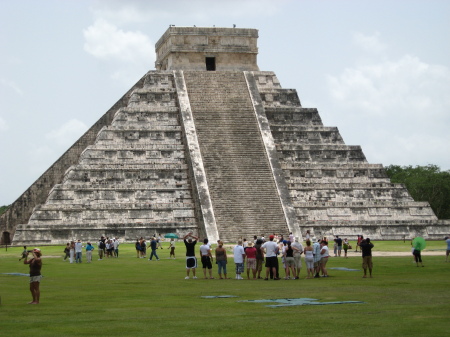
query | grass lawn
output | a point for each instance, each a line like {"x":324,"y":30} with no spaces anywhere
{"x":130,"y":296}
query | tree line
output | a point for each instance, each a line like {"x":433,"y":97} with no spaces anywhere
{"x":425,"y":183}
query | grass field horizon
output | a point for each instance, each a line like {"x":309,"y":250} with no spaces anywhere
{"x":129,"y":296}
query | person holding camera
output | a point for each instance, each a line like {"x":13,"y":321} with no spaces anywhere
{"x":35,"y":274}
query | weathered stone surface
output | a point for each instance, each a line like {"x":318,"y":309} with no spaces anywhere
{"x":225,"y":154}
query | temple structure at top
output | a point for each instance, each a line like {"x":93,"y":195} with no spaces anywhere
{"x":208,"y":143}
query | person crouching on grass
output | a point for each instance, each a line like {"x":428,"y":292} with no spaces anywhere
{"x":35,"y":274}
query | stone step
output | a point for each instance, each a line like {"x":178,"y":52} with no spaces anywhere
{"x":231,"y":146}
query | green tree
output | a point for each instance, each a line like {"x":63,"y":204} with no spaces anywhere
{"x":3,"y":209}
{"x":425,"y":183}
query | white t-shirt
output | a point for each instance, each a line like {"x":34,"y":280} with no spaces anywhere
{"x":204,"y":250}
{"x":325,"y":253}
{"x":116,"y":244}
{"x":271,"y":248}
{"x":299,"y":246}
{"x":78,"y":247}
{"x":238,"y":252}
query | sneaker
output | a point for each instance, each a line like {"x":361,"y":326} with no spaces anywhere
{"x":194,"y":277}
{"x":186,"y":278}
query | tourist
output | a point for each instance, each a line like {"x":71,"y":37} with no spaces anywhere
{"x":255,"y":238}
{"x":447,"y":240}
{"x":358,"y":243}
{"x":244,"y":243}
{"x":307,"y":235}
{"x":172,"y":248}
{"x":298,"y":251}
{"x":116,"y":244}
{"x":101,"y":248}
{"x":250,"y":253}
{"x":317,"y":258}
{"x":239,"y":257}
{"x":24,"y":253}
{"x":159,"y":242}
{"x":291,"y":237}
{"x":309,"y":259}
{"x":270,"y":248}
{"x":366,"y":248}
{"x":143,"y":248}
{"x":289,"y":261}
{"x":137,"y":245}
{"x":67,"y":252}
{"x":339,"y":245}
{"x":153,"y":247}
{"x":109,"y":248}
{"x":417,"y":256}
{"x":89,"y":249}
{"x":72,"y":251}
{"x":335,"y":247}
{"x":259,"y":258}
{"x":282,"y":248}
{"x":346,"y":246}
{"x":206,"y":258}
{"x":35,"y":274}
{"x":324,"y":255}
{"x":191,"y":260}
{"x":221,"y":260}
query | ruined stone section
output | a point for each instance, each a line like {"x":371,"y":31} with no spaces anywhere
{"x":201,"y":190}
{"x":332,"y":187}
{"x":132,"y":182}
{"x":196,"y":48}
{"x":20,"y":211}
{"x":271,"y":152}
{"x":243,"y":192}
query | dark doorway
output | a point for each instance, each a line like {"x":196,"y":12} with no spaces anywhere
{"x":210,"y":63}
{"x":6,"y":239}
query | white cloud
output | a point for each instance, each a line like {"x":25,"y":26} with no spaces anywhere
{"x":11,"y":85}
{"x":3,"y":125}
{"x":398,"y":110}
{"x":106,"y":41}
{"x":371,"y":44}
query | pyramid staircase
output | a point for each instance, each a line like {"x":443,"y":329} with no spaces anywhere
{"x":243,"y":192}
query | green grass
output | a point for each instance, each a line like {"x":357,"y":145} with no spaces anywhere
{"x":130,"y":296}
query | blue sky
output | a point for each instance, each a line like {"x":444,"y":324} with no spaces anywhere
{"x":378,"y":70}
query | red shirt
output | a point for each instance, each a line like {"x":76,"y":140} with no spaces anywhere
{"x":250,"y":252}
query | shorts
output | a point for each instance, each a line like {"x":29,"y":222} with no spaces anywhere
{"x":271,"y":262}
{"x":323,"y":261}
{"x":309,"y":262}
{"x":239,"y":268}
{"x":339,"y":248}
{"x":298,"y":261}
{"x":367,"y":262}
{"x":251,"y":264}
{"x":191,"y":262}
{"x":290,"y":262}
{"x":206,"y":262}
{"x":35,"y":278}
{"x":316,"y":264}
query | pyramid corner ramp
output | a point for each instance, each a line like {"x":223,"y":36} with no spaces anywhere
{"x":20,"y":210}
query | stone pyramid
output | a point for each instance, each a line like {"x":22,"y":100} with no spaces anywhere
{"x":208,"y":143}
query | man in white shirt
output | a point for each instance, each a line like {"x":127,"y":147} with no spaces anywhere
{"x":239,"y":256}
{"x":270,"y":248}
{"x":317,"y":257}
{"x":78,"y":250}
{"x":116,"y":247}
{"x":205,"y":253}
{"x":297,"y":247}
